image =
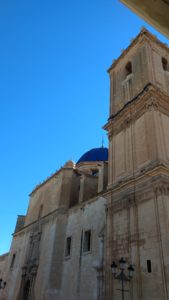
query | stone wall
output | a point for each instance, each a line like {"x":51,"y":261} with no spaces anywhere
{"x":79,"y":277}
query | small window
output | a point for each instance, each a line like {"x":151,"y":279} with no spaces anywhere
{"x":68,"y":246}
{"x":164,"y":64}
{"x":128,"y":68}
{"x":95,"y":172}
{"x":87,"y":241}
{"x":40,"y":211}
{"x":149,"y":266}
{"x":13,"y":261}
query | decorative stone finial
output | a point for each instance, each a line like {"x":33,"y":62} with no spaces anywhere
{"x":69,"y":164}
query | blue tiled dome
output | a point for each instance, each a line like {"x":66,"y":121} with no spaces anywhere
{"x":95,"y":154}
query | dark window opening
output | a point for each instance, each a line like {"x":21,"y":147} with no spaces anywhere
{"x":40,"y":211}
{"x":13,"y":261}
{"x":27,"y":290}
{"x":68,"y":246}
{"x":128,"y":68}
{"x":87,"y":241}
{"x":149,"y":266}
{"x":165,"y":64}
{"x":95,"y":172}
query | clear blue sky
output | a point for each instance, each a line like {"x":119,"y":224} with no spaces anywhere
{"x":54,"y":89}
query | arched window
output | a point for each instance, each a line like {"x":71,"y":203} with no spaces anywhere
{"x":128,"y":68}
{"x":127,"y":83}
{"x":165,"y":64}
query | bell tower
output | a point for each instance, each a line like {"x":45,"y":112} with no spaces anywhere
{"x":138,"y":180}
{"x":137,"y":125}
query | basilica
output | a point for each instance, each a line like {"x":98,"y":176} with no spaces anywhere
{"x":111,"y":205}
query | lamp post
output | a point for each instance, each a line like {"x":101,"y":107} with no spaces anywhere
{"x":121,"y":275}
{"x":2,"y":284}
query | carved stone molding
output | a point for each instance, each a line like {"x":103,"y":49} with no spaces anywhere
{"x":132,"y":202}
{"x":152,"y":104}
{"x":127,"y":121}
{"x":123,"y":203}
{"x":161,"y":189}
{"x":134,"y":109}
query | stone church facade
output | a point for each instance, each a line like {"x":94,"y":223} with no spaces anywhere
{"x":110,"y":204}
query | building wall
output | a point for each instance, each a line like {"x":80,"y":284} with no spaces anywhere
{"x":139,"y":227}
{"x":38,"y":244}
{"x":3,"y":263}
{"x":54,"y":269}
{"x":124,"y":87}
{"x":47,"y":195}
{"x":145,"y":57}
{"x":12,"y":274}
{"x":79,"y":278}
{"x":137,"y":219}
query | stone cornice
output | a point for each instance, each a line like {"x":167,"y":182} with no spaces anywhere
{"x":153,"y":174}
{"x":68,"y":166}
{"x":37,"y":187}
{"x":37,"y":223}
{"x":151,"y":98}
{"x":155,"y":186}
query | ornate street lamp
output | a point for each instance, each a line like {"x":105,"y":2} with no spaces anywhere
{"x":121,"y":275}
{"x":2,"y":284}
